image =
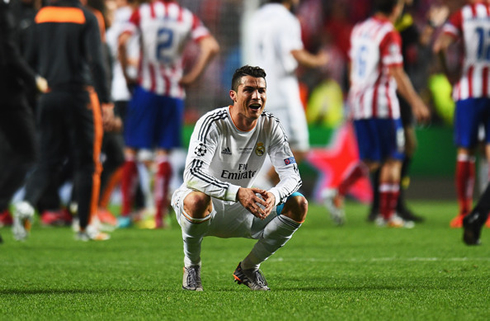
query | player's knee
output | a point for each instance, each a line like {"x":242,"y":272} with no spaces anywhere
{"x":296,"y":208}
{"x":197,"y":204}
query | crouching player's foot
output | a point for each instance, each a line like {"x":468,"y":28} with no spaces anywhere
{"x":192,"y":278}
{"x":251,"y":278}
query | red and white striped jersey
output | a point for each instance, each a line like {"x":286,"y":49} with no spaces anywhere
{"x":165,"y":27}
{"x":471,"y":24}
{"x":375,"y":45}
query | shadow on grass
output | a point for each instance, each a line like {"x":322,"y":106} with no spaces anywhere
{"x":72,"y":291}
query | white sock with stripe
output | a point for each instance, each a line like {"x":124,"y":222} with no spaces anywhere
{"x":192,"y":235}
{"x":274,"y":236}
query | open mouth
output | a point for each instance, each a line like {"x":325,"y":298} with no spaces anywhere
{"x":255,"y":106}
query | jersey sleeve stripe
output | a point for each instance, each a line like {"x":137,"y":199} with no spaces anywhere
{"x":205,"y":128}
{"x":196,"y":171}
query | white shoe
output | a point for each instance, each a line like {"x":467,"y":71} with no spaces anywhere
{"x":91,"y":234}
{"x":380,"y":221}
{"x":394,"y":221}
{"x":23,"y":215}
{"x":192,"y":278}
{"x":332,"y":202}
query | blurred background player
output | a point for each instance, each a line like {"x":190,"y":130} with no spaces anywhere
{"x":376,"y":74}
{"x":69,"y":116}
{"x":471,"y":25}
{"x":414,"y":45}
{"x":17,"y":127}
{"x":274,"y":43}
{"x":119,"y":12}
{"x":155,"y":113}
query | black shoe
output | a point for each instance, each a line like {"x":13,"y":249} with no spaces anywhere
{"x":472,"y":229}
{"x":408,"y":215}
{"x":251,"y":278}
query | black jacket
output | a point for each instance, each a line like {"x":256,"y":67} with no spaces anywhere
{"x":66,"y":48}
{"x":15,"y":73}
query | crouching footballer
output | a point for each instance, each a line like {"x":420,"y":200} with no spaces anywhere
{"x":227,"y":150}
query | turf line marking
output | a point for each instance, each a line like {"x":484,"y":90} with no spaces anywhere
{"x":381,"y":259}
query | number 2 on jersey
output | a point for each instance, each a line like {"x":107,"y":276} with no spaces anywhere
{"x":165,"y":37}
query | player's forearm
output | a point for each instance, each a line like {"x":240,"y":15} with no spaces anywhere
{"x":123,"y":53}
{"x":404,"y":85}
{"x":209,"y":49}
{"x":200,"y":181}
{"x":309,"y":60}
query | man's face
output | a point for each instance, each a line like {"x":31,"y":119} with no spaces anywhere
{"x":250,"y":97}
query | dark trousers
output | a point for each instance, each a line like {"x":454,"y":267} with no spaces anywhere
{"x":112,"y":148}
{"x":17,"y":148}
{"x":69,"y":125}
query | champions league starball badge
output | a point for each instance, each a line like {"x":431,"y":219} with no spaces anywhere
{"x":200,"y":150}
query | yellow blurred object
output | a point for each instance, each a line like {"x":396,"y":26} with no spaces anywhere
{"x":325,"y":106}
{"x":404,"y":22}
{"x":441,"y":91}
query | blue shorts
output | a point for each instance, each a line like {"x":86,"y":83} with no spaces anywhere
{"x":380,"y":139}
{"x":153,"y":121}
{"x":470,"y":114}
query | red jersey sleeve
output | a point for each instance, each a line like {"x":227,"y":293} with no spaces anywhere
{"x":391,"y":49}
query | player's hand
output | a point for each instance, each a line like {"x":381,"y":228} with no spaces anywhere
{"x":131,"y":83}
{"x":437,"y":15}
{"x":41,"y":84}
{"x":107,"y":116}
{"x":187,"y":80}
{"x":256,"y":201}
{"x":421,"y":111}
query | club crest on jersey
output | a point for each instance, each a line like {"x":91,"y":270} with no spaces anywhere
{"x":226,"y":151}
{"x":200,"y":150}
{"x":260,"y":149}
{"x":289,"y":160}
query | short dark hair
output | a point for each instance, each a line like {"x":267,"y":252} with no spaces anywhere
{"x":385,"y":6}
{"x":246,"y":70}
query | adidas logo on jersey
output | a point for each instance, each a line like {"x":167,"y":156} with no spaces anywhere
{"x":226,"y":151}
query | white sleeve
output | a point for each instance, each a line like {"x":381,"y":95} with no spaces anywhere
{"x":199,"y":158}
{"x":285,"y":165}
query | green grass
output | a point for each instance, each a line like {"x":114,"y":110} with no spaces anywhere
{"x":354,"y":272}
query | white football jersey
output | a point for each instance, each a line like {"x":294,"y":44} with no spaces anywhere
{"x":165,"y":27}
{"x":472,"y":24}
{"x":375,"y":46}
{"x":273,"y":33}
{"x":222,"y":158}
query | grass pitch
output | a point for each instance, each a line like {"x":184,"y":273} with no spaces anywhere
{"x":354,"y":272}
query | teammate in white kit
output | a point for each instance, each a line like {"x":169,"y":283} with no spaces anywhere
{"x":227,"y":149}
{"x":471,"y":24}
{"x":376,"y":74}
{"x":155,"y":114}
{"x":275,"y":45}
